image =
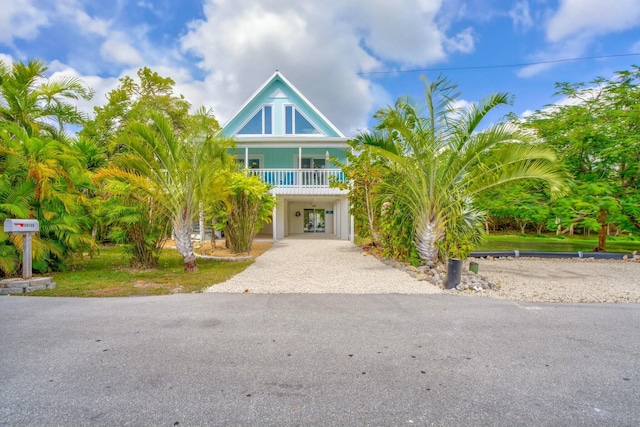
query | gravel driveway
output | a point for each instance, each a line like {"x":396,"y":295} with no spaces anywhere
{"x":306,"y":264}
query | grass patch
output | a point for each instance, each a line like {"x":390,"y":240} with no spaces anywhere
{"x":548,"y":243}
{"x":553,"y":244}
{"x":109,"y":275}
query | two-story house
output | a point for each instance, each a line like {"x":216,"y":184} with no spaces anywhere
{"x":283,"y":138}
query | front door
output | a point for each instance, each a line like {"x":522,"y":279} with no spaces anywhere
{"x":314,"y":220}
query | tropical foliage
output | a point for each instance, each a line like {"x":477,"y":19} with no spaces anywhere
{"x":42,"y":172}
{"x":246,"y":209}
{"x":364,"y":172}
{"x":597,"y":133}
{"x":439,"y":160}
{"x":169,"y":170}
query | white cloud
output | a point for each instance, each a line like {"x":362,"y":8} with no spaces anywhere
{"x":20,"y":20}
{"x":461,"y":42}
{"x":592,"y":17}
{"x":574,"y":27}
{"x":101,"y":85}
{"x":319,"y":47}
{"x":88,"y":24}
{"x":402,"y":31}
{"x":521,"y":16}
{"x":527,"y":113}
{"x":7,"y":59}
{"x":459,"y":108}
{"x":117,"y":49}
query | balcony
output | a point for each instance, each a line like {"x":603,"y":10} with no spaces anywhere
{"x":301,"y":181}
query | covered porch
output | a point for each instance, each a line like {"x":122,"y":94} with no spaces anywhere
{"x":310,"y":215}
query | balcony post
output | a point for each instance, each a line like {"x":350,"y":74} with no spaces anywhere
{"x":299,"y":167}
{"x":275,"y":220}
{"x":246,"y":158}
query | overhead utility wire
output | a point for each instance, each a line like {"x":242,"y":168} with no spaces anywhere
{"x":482,"y":67}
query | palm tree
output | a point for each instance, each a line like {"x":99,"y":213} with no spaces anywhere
{"x":439,"y":161}
{"x":38,"y":180}
{"x":36,"y":103}
{"x":171,"y":170}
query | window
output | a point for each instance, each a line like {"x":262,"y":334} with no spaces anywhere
{"x":255,"y":161}
{"x":260,"y":123}
{"x":297,"y":124}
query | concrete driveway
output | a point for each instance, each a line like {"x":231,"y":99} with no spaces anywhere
{"x":234,"y":359}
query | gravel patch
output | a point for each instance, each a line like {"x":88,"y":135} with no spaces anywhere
{"x":571,"y":280}
{"x":310,"y":265}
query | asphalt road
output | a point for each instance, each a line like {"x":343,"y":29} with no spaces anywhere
{"x":389,"y":360}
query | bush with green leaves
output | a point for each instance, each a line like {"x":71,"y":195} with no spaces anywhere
{"x":248,"y":207}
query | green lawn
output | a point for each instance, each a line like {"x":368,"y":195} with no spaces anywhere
{"x":496,"y":242}
{"x":108,"y":275}
{"x":506,"y":242}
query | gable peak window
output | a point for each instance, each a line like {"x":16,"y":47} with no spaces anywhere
{"x":260,"y":124}
{"x":295,"y":123}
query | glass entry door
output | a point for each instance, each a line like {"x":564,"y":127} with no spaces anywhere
{"x":314,"y":220}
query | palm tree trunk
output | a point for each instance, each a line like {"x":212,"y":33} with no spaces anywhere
{"x":182,"y":229}
{"x":428,"y":233}
{"x":201,"y":222}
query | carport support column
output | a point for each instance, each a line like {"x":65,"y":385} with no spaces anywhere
{"x":351,"y":231}
{"x":274,"y":220}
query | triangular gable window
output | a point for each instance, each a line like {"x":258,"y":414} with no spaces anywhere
{"x":260,"y":124}
{"x":297,"y":124}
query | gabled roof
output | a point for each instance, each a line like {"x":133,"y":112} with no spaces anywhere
{"x":278,"y":94}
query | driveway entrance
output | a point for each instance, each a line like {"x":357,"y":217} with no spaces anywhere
{"x":316,"y":263}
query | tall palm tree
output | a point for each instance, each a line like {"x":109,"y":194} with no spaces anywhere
{"x":36,"y":103}
{"x":439,"y":160}
{"x":170,"y":170}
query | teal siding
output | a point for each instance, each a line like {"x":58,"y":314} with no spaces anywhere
{"x":285,"y":158}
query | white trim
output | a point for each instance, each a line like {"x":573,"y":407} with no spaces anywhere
{"x":294,"y":143}
{"x":295,"y":110}
{"x":260,"y":109}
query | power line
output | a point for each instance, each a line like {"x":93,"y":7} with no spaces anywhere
{"x":484,"y":67}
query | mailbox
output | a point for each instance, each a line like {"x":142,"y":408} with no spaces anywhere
{"x":20,"y":226}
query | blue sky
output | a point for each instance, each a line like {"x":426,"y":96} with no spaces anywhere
{"x":220,"y":51}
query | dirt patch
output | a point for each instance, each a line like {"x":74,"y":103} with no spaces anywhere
{"x":257,"y":249}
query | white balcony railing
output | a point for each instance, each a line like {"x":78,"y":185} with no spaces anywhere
{"x":299,"y":178}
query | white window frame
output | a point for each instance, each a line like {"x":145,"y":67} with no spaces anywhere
{"x":261,"y":110}
{"x":293,"y":122}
